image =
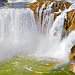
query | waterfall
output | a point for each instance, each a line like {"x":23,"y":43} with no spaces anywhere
{"x":57,"y":27}
{"x":18,"y":32}
{"x":58,"y":51}
{"x":14,"y":23}
{"x":41,"y":15}
{"x":46,"y":18}
{"x":16,"y":0}
{"x":72,"y":1}
{"x":72,"y":7}
{"x":53,"y":46}
{"x":66,"y":45}
{"x":30,"y":1}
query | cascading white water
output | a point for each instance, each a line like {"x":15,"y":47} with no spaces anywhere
{"x":18,"y":35}
{"x":66,"y":45}
{"x":14,"y":23}
{"x":57,"y":27}
{"x":31,"y":1}
{"x":46,"y":18}
{"x":72,"y":1}
{"x":18,"y":32}
{"x":40,"y":16}
{"x":53,"y":46}
{"x":49,"y":46}
{"x":72,"y":7}
{"x":15,"y":0}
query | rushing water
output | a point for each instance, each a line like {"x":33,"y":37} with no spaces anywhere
{"x":14,"y":23}
{"x":52,"y":45}
{"x":57,"y":27}
{"x":21,"y":1}
{"x":72,"y":1}
{"x":19,"y":34}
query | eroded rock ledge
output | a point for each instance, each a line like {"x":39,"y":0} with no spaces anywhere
{"x":56,"y":9}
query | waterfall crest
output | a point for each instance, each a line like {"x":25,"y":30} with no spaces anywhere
{"x":30,"y":1}
{"x":17,"y":32}
{"x":14,"y":23}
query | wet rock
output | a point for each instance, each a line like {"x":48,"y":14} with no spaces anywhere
{"x":71,"y":20}
{"x":57,"y":5}
{"x":72,"y":55}
{"x":56,"y":8}
{"x":72,"y":68}
{"x":72,"y":60}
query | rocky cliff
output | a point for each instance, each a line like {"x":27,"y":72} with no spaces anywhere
{"x":45,"y":8}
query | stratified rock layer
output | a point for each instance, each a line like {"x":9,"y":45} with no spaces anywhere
{"x":56,"y":9}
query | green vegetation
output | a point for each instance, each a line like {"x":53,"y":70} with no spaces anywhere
{"x":7,"y":3}
{"x":29,"y":66}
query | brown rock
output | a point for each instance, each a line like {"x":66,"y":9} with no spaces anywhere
{"x":72,"y":60}
{"x":69,"y":25}
{"x":33,"y":6}
{"x":72,"y":55}
{"x":60,"y":5}
{"x":71,"y":20}
{"x":72,"y":68}
{"x":55,"y":8}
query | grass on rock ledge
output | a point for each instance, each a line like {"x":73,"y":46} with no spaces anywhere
{"x":29,"y":66}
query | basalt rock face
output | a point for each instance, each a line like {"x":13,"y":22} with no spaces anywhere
{"x":71,"y":20}
{"x":72,"y":68}
{"x":55,"y":9}
{"x":43,"y":9}
{"x":72,"y":59}
{"x":72,"y":56}
{"x":69,"y":23}
{"x":60,"y":5}
{"x":48,"y":7}
{"x":56,"y":6}
{"x":38,"y":4}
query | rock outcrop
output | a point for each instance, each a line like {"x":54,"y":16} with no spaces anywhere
{"x":56,"y":9}
{"x":72,"y":55}
{"x":44,"y":8}
{"x":72,"y":68}
{"x":72,"y":59}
